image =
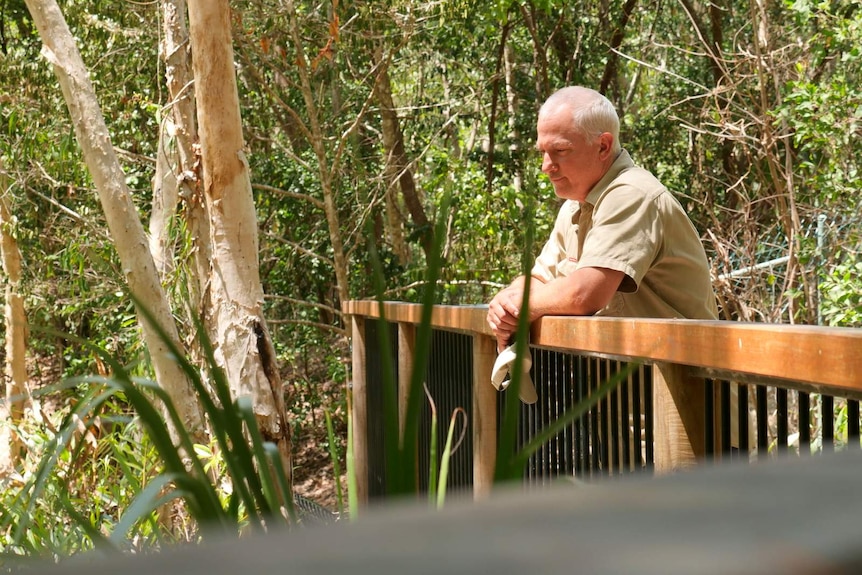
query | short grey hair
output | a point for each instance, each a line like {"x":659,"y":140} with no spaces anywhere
{"x":592,"y":113}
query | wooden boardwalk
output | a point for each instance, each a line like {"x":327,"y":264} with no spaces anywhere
{"x":789,"y":516}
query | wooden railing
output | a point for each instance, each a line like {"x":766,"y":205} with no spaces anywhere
{"x":685,"y":358}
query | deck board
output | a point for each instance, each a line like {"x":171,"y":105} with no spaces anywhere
{"x":794,"y":515}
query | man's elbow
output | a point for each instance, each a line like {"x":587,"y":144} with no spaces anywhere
{"x":593,"y":289}
{"x":587,"y":305}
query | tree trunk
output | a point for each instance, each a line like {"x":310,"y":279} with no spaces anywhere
{"x":178,"y":182}
{"x":242,"y":341}
{"x":165,"y":197}
{"x":186,"y":161}
{"x":492,"y":118}
{"x":609,"y":77}
{"x":397,"y":164}
{"x":12,"y":410}
{"x":122,"y":217}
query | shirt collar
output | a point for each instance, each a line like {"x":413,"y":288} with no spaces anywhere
{"x":623,"y":162}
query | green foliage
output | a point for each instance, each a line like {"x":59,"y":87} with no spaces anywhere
{"x":88,"y":476}
{"x":824,"y":117}
{"x":237,"y":483}
{"x":841,"y":295}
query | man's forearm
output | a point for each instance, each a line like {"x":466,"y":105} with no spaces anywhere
{"x":585,"y":292}
{"x":520,"y":282}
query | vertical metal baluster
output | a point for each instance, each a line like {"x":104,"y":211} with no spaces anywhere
{"x":604,"y":414}
{"x":577,"y":432}
{"x":636,"y":418}
{"x":649,"y":416}
{"x":595,"y":436}
{"x":625,"y":418}
{"x":709,"y":415}
{"x":827,"y":405}
{"x":742,"y":420}
{"x":781,"y":414}
{"x":724,"y":410}
{"x":613,"y":398}
{"x":584,"y":429}
{"x":762,"y":423}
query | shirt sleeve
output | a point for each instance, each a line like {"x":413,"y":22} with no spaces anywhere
{"x":625,"y":234}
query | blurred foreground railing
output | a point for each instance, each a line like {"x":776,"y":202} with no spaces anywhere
{"x":700,"y":389}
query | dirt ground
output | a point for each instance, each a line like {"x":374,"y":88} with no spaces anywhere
{"x":308,"y":396}
{"x":313,"y":475}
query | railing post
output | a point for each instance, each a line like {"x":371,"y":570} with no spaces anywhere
{"x":679,"y":403}
{"x":406,"y":355}
{"x":406,"y":352}
{"x":358,"y":406}
{"x":484,"y":415}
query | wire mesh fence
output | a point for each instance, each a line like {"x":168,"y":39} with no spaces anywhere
{"x":770,"y":276}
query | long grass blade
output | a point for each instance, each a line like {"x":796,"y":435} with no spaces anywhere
{"x":432,"y":450}
{"x":150,"y":498}
{"x":333,"y":455}
{"x":265,"y":491}
{"x":274,"y":459}
{"x":448,"y":450}
{"x":397,"y":481}
{"x":504,"y":470}
{"x":352,"y":495}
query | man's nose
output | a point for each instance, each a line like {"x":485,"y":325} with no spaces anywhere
{"x":548,"y":164}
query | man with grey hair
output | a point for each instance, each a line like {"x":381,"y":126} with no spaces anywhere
{"x":622,"y":245}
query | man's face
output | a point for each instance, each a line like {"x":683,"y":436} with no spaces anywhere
{"x":573,"y":164}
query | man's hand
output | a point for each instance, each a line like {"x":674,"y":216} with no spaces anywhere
{"x":503,"y":312}
{"x":505,"y":309}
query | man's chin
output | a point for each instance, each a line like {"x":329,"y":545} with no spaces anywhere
{"x":563,"y":192}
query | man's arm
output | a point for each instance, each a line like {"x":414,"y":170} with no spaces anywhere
{"x":584,"y":292}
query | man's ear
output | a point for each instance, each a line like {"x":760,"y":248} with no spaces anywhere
{"x":606,"y":144}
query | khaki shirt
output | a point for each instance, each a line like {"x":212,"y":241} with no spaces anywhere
{"x":633,"y":224}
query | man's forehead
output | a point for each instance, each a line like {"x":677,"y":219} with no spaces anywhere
{"x":546,"y":141}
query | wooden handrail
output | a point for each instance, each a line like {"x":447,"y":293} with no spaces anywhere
{"x":682,"y":353}
{"x":826,"y":358}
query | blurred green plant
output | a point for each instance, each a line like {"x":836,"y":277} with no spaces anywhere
{"x":238,"y":483}
{"x":99,"y":463}
{"x":334,"y":456}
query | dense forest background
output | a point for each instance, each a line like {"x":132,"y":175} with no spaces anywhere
{"x":359,"y":117}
